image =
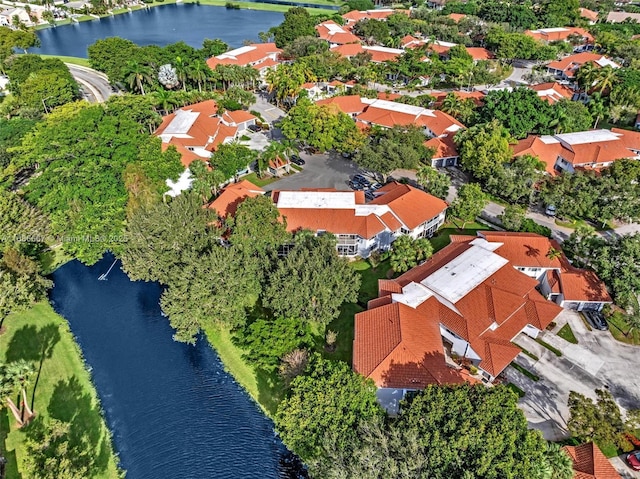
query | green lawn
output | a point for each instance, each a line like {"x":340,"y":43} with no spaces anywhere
{"x":64,"y":390}
{"x":620,"y":330}
{"x":566,"y":333}
{"x":260,"y":6}
{"x":441,"y":238}
{"x":555,"y":351}
{"x":83,"y":62}
{"x":253,"y":178}
{"x":526,"y":372}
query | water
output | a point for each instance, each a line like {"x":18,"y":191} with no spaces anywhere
{"x":173,"y":410}
{"x":161,"y":25}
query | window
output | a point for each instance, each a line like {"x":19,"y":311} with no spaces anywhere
{"x":404,"y":231}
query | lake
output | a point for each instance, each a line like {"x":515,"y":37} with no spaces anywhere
{"x":173,"y":410}
{"x":161,"y":25}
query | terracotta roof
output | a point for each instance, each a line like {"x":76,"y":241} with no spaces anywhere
{"x":378,"y":54}
{"x":336,"y":221}
{"x":583,"y":285}
{"x":238,"y":116}
{"x":334,"y":33}
{"x":398,"y":345}
{"x":268,"y":63}
{"x":570,"y":64}
{"x":349,"y":50}
{"x":617,"y":17}
{"x":355,"y":16}
{"x":411,"y":205}
{"x":589,"y":14}
{"x":476,"y":96}
{"x":559,"y":34}
{"x":479,"y":53}
{"x":590,"y":463}
{"x":247,"y":55}
{"x":456,"y":17}
{"x":383,"y":95}
{"x":232,"y":195}
{"x":349,"y":104}
{"x":278,"y":163}
{"x":444,"y":147}
{"x":552,"y":92}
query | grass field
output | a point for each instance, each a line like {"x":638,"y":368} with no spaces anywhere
{"x":441,"y":238}
{"x":620,"y":330}
{"x":64,"y":390}
{"x":566,"y":333}
{"x":253,"y":178}
{"x":83,"y":62}
{"x":263,"y":6}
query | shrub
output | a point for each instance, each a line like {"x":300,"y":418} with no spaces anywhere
{"x":530,"y":226}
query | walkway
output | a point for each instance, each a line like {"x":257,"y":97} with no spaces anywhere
{"x":96,"y":84}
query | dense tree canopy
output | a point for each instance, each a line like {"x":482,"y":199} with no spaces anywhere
{"x":297,"y":23}
{"x":408,"y":253}
{"x":484,"y":149}
{"x":469,"y":203}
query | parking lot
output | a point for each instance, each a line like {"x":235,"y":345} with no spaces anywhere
{"x":326,"y":170}
{"x":598,"y":361}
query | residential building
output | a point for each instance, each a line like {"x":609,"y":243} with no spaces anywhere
{"x":619,"y":17}
{"x":585,"y":150}
{"x":227,"y":202}
{"x":559,"y":281}
{"x":353,"y":17}
{"x":552,"y":92}
{"x":476,"y":96}
{"x":565,"y":34}
{"x":335,"y":34}
{"x":445,"y":152}
{"x":378,"y":54}
{"x":362,"y":227}
{"x":479,"y":54}
{"x":567,"y":67}
{"x":352,"y":105}
{"x":467,"y":301}
{"x":589,"y":15}
{"x":590,"y":463}
{"x":457,"y":17}
{"x":197,"y":130}
{"x":279,"y":166}
{"x":260,"y":56}
{"x":7,"y":15}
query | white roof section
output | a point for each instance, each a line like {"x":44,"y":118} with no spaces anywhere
{"x":464,"y":273}
{"x":400,"y":107}
{"x":413,"y":295}
{"x":549,"y":140}
{"x":583,"y":137}
{"x":317,"y":199}
{"x":550,"y":30}
{"x":333,"y":28}
{"x":237,"y":52}
{"x":183,"y":183}
{"x":377,"y":48}
{"x":181,"y":123}
{"x":605,"y":62}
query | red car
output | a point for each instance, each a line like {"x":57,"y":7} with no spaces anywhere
{"x":633,"y":460}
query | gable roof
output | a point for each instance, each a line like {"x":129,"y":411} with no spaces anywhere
{"x":487,"y":305}
{"x":569,"y":65}
{"x":253,"y":54}
{"x":590,"y":463}
{"x":349,"y":104}
{"x":227,"y":202}
{"x":378,"y":53}
{"x":552,"y":92}
{"x":334,"y":33}
{"x":589,"y":14}
{"x":479,"y":53}
{"x":443,"y":146}
{"x":559,"y":34}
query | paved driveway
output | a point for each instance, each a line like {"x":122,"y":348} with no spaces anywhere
{"x":597,"y":361}
{"x":320,"y":171}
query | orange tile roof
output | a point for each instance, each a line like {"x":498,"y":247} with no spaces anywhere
{"x":411,"y":205}
{"x":589,"y":14}
{"x":590,"y":463}
{"x":443,"y":146}
{"x":278,"y":163}
{"x":232,"y":195}
{"x":336,"y":221}
{"x":244,"y":56}
{"x":334,"y":33}
{"x":355,"y":16}
{"x":395,"y":342}
{"x":476,"y":96}
{"x":238,"y":116}
{"x":552,"y":92}
{"x":479,"y":53}
{"x":437,"y":121}
{"x":570,"y":64}
{"x":349,"y":50}
{"x":383,"y":95}
{"x":349,"y":104}
{"x":456,"y":17}
{"x":559,"y":34}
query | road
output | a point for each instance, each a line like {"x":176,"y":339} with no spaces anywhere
{"x":94,"y":83}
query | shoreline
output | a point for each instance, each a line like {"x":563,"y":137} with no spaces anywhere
{"x":269,"y":7}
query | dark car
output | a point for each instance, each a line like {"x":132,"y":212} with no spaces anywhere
{"x":362,"y":180}
{"x":633,"y":460}
{"x":355,"y":185}
{"x":596,"y":319}
{"x":254,"y":128}
{"x":297,"y":160}
{"x":369,"y":195}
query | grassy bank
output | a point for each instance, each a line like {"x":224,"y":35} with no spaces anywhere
{"x":441,"y":238}
{"x":262,"y":6}
{"x":64,"y":390}
{"x":83,"y":62}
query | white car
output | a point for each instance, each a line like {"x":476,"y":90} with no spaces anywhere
{"x":550,"y":211}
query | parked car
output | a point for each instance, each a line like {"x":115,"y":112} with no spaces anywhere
{"x":550,"y":211}
{"x":362,"y":180}
{"x":355,"y":185}
{"x":369,"y":195}
{"x":254,"y":128}
{"x":633,"y":460}
{"x":596,"y":319}
{"x":376,"y":186}
{"x":297,"y":160}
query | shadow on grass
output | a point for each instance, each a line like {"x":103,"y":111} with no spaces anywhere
{"x":11,"y":468}
{"x":271,"y":390}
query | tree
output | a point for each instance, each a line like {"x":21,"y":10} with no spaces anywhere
{"x":311,"y":282}
{"x":297,"y":23}
{"x":360,"y":5}
{"x":164,"y":239}
{"x":267,"y":341}
{"x":231,"y":158}
{"x":469,"y":203}
{"x":598,"y":421}
{"x":324,"y":127}
{"x":329,"y":399}
{"x":293,"y":365}
{"x":462,"y":110}
{"x":47,"y":91}
{"x":434,"y":182}
{"x":373,"y":31}
{"x":212,"y":48}
{"x":137,"y":75}
{"x":571,"y":116}
{"x":14,"y":380}
{"x":515,"y":181}
{"x":199,"y":72}
{"x":484,"y":149}
{"x":194,"y":302}
{"x":257,"y":228}
{"x":512,"y":217}
{"x":560,"y":463}
{"x":285,"y":82}
{"x":305,"y":46}
{"x":520,"y":111}
{"x":408,"y":253}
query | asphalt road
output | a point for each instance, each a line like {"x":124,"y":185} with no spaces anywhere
{"x":95,"y":84}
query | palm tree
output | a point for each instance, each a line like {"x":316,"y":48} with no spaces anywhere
{"x":559,"y":462}
{"x":137,"y":75}
{"x":596,"y":108}
{"x":182,"y":71}
{"x":605,"y":78}
{"x":15,"y":377}
{"x":199,"y":72}
{"x":452,"y":104}
{"x":272,"y":152}
{"x":553,"y":254}
{"x":586,"y":75}
{"x":164,"y":99}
